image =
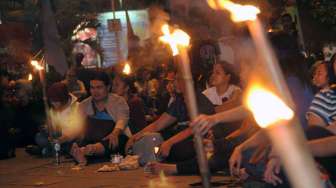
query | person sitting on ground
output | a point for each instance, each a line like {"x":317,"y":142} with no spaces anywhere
{"x":106,"y":116}
{"x":321,"y":111}
{"x":29,"y":112}
{"x":300,"y":92}
{"x":225,"y":93}
{"x":124,"y":86}
{"x":173,"y":127}
{"x":75,"y":86}
{"x":7,"y":133}
{"x":321,"y":121}
{"x":65,"y":123}
{"x":222,"y":146}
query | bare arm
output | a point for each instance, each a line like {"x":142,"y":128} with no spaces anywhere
{"x":232,"y":103}
{"x":164,"y":121}
{"x":324,"y":147}
{"x":180,"y":136}
{"x":315,"y":120}
{"x":257,"y":139}
{"x":234,"y":114}
{"x":248,"y":126}
{"x":206,"y":122}
{"x":236,"y":157}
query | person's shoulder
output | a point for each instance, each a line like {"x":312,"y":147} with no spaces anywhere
{"x":326,"y":91}
{"x":233,"y":87}
{"x":201,"y":96}
{"x":86,"y":101}
{"x":204,"y":104}
{"x":114,"y":98}
{"x":202,"y":99}
{"x":209,"y":90}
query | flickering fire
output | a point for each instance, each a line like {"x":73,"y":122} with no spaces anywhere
{"x":267,"y":108}
{"x":174,"y":39}
{"x":239,"y":13}
{"x":30,"y":77}
{"x":127,"y":69}
{"x":36,"y":65}
{"x":156,"y":150}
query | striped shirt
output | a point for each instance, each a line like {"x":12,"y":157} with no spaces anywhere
{"x":324,"y":105}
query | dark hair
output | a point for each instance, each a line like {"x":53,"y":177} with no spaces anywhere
{"x":58,"y":92}
{"x":287,"y":16}
{"x":129,"y":81}
{"x":229,"y":69}
{"x":101,"y":76}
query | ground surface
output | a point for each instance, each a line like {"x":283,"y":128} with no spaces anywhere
{"x":28,"y":171}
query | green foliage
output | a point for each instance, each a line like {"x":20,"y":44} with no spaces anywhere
{"x":323,"y":10}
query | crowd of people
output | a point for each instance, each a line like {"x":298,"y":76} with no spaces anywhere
{"x":93,"y":114}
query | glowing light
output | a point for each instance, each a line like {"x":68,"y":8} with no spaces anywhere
{"x":239,"y":13}
{"x":174,"y":39}
{"x":36,"y":65}
{"x":30,"y":77}
{"x":156,"y":150}
{"x":127,"y":69}
{"x":266,"y":107}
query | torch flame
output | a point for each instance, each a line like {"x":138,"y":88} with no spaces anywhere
{"x":174,"y":39}
{"x":266,"y":107}
{"x":36,"y":65}
{"x":127,"y":69}
{"x":156,"y":150}
{"x":30,"y":77}
{"x":239,"y":13}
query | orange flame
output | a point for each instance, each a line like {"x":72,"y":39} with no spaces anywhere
{"x":267,"y":108}
{"x":175,"y":39}
{"x":127,"y":69}
{"x":156,"y":150}
{"x":36,"y":65}
{"x":239,"y":13}
{"x":30,"y":77}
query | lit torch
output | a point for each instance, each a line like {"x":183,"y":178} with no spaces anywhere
{"x":30,"y":77}
{"x":127,"y":69}
{"x":36,"y":65}
{"x":271,"y":112}
{"x":40,"y":69}
{"x":178,"y":41}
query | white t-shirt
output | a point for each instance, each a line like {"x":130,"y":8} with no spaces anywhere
{"x":212,"y":95}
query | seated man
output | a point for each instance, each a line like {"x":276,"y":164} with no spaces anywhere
{"x":106,"y":117}
{"x":173,"y":126}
